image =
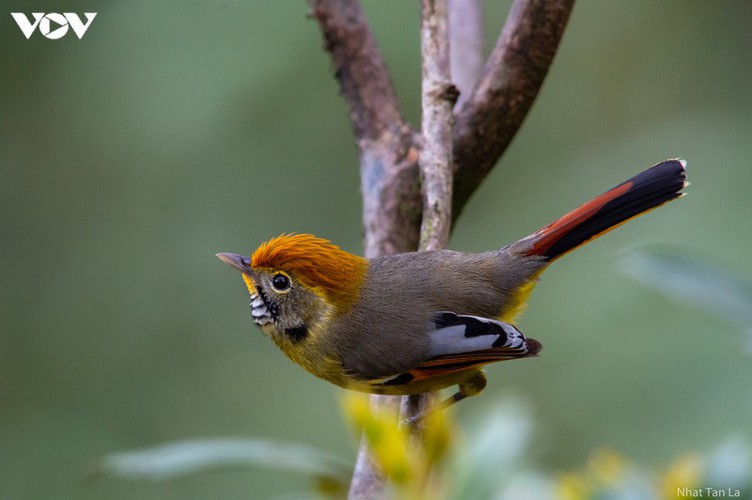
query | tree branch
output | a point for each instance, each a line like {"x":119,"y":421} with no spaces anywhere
{"x":438,"y":96}
{"x":387,"y":145}
{"x":511,"y":79}
{"x":486,"y":121}
{"x":358,"y":66}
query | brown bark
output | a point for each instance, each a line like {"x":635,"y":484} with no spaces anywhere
{"x":438,"y":96}
{"x":387,"y":144}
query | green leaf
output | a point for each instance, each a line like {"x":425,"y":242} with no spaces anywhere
{"x":183,"y":458}
{"x":693,"y":281}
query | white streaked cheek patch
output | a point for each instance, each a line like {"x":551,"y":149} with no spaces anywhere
{"x":260,"y":313}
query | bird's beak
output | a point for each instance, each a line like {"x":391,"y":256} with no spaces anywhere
{"x":238,"y":262}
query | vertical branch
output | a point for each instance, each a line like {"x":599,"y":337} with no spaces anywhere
{"x":438,"y":96}
{"x":487,"y":118}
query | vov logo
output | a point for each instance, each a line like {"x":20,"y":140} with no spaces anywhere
{"x":53,"y":25}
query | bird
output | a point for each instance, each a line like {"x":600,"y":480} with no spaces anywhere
{"x":417,"y":322}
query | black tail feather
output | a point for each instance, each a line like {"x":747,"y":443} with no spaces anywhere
{"x":643,"y":192}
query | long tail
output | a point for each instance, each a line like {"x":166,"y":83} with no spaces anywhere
{"x":642,"y":193}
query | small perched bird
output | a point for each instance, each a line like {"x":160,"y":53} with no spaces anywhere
{"x":422,"y":321}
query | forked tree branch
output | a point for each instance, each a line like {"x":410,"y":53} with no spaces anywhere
{"x":486,"y":120}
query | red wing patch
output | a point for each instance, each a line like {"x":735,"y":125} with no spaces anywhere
{"x":452,"y":363}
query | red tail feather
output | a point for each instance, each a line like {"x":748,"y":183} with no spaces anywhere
{"x":643,"y":192}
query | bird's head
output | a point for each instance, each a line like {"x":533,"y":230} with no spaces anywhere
{"x":298,"y":281}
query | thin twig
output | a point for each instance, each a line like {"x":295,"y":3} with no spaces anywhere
{"x":511,"y":79}
{"x":438,"y":96}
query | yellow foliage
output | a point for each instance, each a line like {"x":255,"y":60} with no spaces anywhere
{"x":684,"y":472}
{"x":406,"y":456}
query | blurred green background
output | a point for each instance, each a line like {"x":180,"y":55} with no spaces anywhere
{"x":174,"y":130}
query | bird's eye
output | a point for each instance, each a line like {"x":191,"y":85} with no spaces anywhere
{"x":280,"y":282}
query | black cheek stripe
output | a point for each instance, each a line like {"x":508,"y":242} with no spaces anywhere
{"x":297,"y":333}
